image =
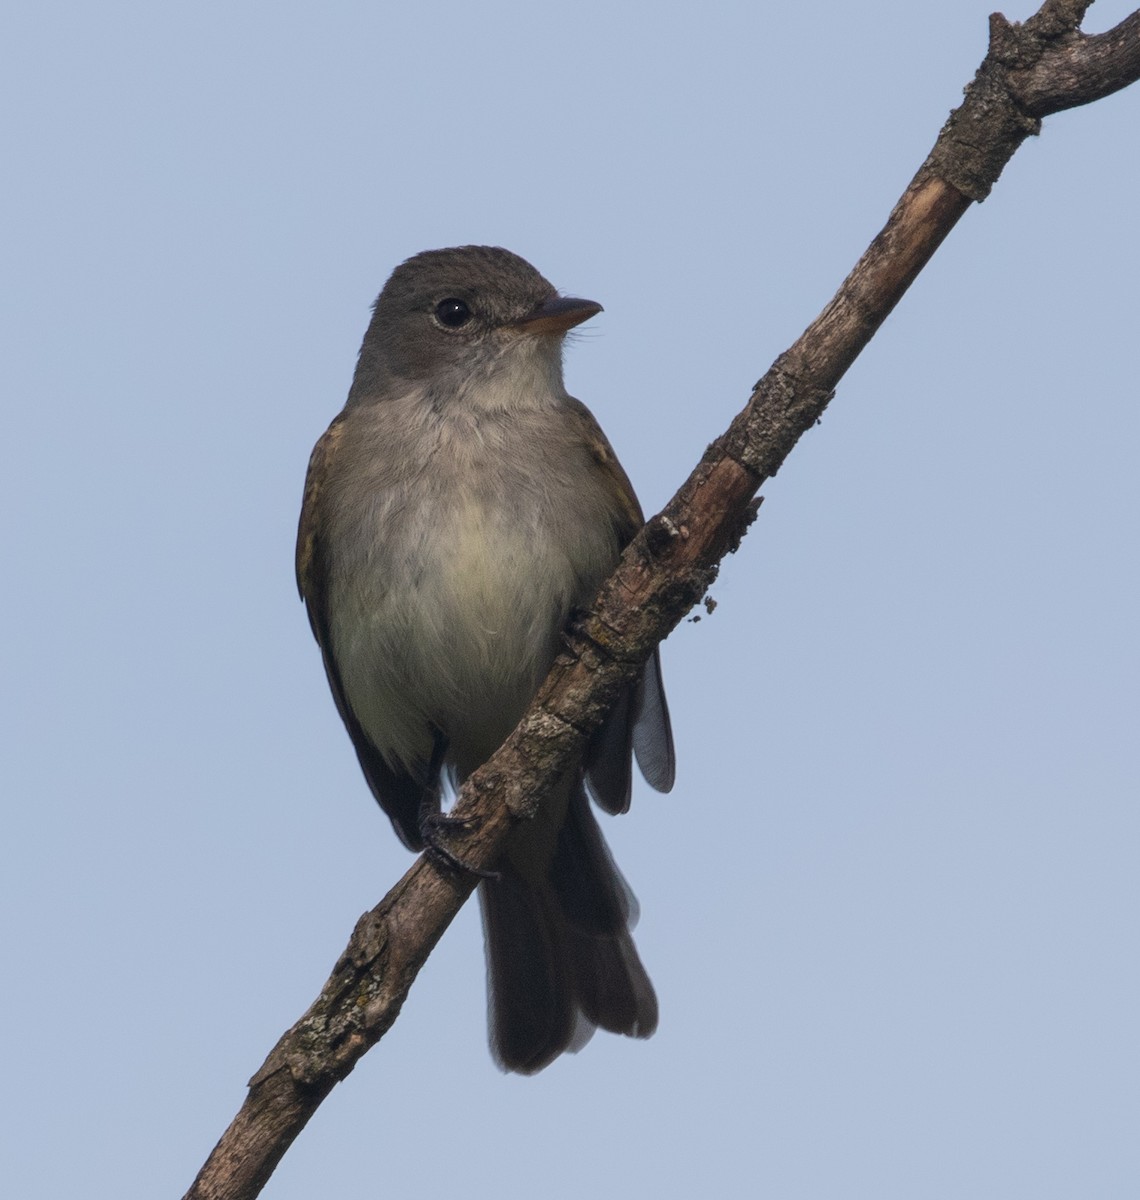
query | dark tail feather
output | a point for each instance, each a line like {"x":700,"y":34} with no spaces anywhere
{"x":614,"y":991}
{"x":560,"y":958}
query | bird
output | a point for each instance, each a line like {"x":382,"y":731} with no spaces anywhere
{"x":459,"y":510}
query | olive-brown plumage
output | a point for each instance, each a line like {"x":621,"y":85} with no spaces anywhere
{"x":456,"y":511}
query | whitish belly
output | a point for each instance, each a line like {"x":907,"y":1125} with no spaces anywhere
{"x":452,"y":623}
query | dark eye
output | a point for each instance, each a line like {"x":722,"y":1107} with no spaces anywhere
{"x":453,"y":312}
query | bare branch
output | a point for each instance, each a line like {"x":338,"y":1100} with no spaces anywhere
{"x":1031,"y":70}
{"x":1080,"y":69}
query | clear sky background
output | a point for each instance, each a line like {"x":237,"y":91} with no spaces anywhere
{"x":891,"y":906}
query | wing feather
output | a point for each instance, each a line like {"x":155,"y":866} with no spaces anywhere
{"x":639,"y":723}
{"x":405,"y":798}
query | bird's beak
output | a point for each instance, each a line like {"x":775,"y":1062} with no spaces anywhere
{"x":558,"y":315}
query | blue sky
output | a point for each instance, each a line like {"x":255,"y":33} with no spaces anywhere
{"x":890,"y":907}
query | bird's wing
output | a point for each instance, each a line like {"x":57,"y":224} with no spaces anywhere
{"x":403,"y":797}
{"x":639,"y":723}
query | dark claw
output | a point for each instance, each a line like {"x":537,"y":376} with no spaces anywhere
{"x":434,"y":828}
{"x":575,"y":623}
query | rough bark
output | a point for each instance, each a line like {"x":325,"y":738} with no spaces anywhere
{"x":1030,"y":71}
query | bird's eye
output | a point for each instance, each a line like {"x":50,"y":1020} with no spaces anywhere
{"x":452,"y":312}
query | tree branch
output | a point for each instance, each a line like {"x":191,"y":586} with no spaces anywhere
{"x":1078,"y":69}
{"x":1030,"y":71}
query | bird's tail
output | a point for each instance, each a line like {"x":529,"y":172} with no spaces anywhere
{"x":560,"y":957}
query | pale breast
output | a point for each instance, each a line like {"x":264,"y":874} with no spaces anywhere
{"x":456,"y":574}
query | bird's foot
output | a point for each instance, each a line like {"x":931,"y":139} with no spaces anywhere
{"x":434,"y":829}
